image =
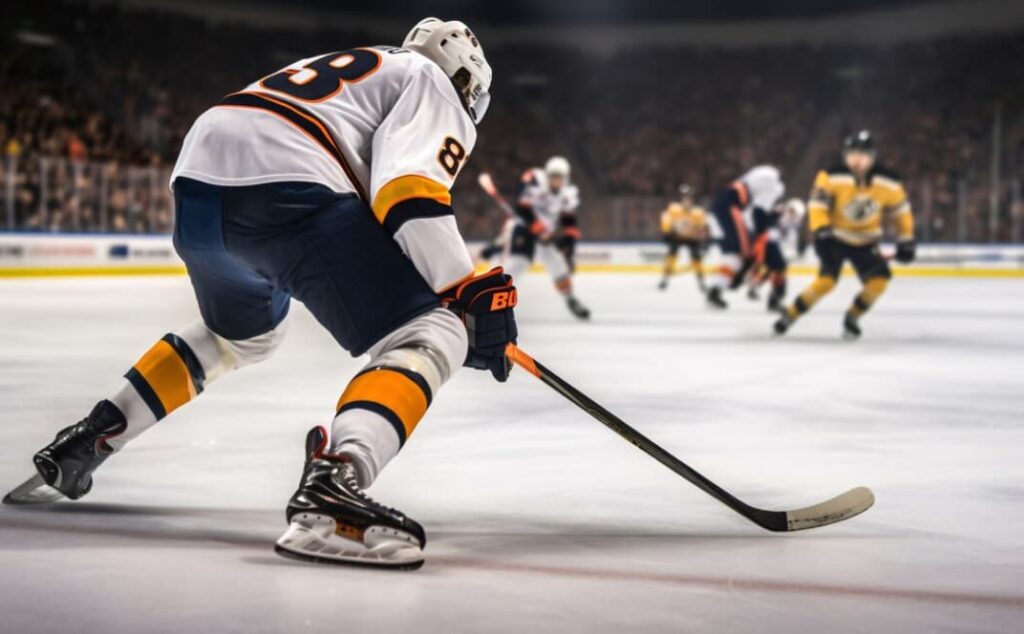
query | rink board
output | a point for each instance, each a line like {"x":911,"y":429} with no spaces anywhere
{"x":44,"y":255}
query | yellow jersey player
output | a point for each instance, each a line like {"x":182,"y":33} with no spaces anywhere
{"x":847,"y":209}
{"x":684,"y":224}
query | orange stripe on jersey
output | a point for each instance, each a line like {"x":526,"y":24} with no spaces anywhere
{"x":167,"y":375}
{"x":405,"y":188}
{"x":391,"y":393}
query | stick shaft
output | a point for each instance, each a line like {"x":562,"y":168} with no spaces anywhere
{"x":638,"y":440}
{"x":487,"y":184}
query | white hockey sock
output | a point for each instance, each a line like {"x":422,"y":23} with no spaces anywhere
{"x":177,"y":369}
{"x":382,"y":405}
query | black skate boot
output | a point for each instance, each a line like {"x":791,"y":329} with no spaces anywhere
{"x":65,"y":466}
{"x":333,"y":521}
{"x":783,"y":323}
{"x":851,"y":329}
{"x":752,"y":294}
{"x":663,"y":284}
{"x":576,"y":308}
{"x":715,"y":299}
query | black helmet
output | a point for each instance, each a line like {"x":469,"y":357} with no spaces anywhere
{"x":861,"y":141}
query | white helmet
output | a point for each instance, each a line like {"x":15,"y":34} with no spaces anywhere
{"x":557,"y":166}
{"x":453,"y":47}
{"x":796,"y":208}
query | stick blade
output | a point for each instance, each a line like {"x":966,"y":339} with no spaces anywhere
{"x":842,"y":507}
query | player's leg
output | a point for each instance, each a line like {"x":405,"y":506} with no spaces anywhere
{"x":734,"y":249}
{"x":874,"y":273}
{"x":520,"y":247}
{"x":775,"y":272}
{"x":830,"y":267}
{"x":243,"y":323}
{"x":557,"y":266}
{"x":496,"y":247}
{"x":696,"y":249}
{"x":359,"y":285}
{"x":671,"y":260}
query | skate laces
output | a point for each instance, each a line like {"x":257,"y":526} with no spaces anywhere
{"x":346,"y":477}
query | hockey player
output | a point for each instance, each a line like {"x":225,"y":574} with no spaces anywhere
{"x":770,"y":263}
{"x":684,"y":224}
{"x":744,"y":211}
{"x":546,"y":227}
{"x":327,"y":181}
{"x":848,"y":206}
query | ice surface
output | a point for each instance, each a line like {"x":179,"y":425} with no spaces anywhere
{"x":539,"y":518}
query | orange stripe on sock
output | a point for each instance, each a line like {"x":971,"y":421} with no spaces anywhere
{"x":393,"y":390}
{"x":167,"y":375}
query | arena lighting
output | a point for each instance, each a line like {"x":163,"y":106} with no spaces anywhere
{"x":35,"y":38}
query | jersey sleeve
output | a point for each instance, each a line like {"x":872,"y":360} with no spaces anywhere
{"x":666,"y":222}
{"x":898,"y":209}
{"x":418,"y":151}
{"x":819,"y":203}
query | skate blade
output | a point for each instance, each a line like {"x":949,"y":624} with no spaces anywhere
{"x":312,"y":537}
{"x":33,"y":491}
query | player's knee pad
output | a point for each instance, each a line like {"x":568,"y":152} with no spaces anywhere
{"x":242,"y":352}
{"x":433,"y":345}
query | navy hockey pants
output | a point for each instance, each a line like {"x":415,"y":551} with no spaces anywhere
{"x":249,"y":250}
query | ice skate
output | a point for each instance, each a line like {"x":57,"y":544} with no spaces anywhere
{"x":663,"y":284}
{"x":715,"y":300}
{"x":577,"y":308}
{"x":65,"y":466}
{"x":333,"y":521}
{"x":783,"y":323}
{"x":851,"y":329}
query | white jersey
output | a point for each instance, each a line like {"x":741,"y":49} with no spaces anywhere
{"x":548,"y":206}
{"x":382,"y":123}
{"x":764,"y":187}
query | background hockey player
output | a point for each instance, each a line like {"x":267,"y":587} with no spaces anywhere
{"x":847,"y":209}
{"x":770,"y":263}
{"x":546,"y":203}
{"x":744,"y":211}
{"x":327,"y":181}
{"x":684,"y":224}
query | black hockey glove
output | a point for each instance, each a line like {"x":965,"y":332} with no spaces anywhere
{"x":906,"y":251}
{"x":485,"y":304}
{"x":825,"y":243}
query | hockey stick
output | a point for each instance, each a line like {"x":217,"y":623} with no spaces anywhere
{"x":487,"y":184}
{"x":842,"y":507}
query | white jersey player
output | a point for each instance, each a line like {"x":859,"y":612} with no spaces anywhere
{"x":545,"y":227}
{"x":327,"y":181}
{"x":744,"y":211}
